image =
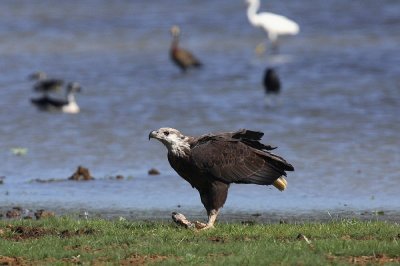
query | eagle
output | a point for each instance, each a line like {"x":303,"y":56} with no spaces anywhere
{"x":211,"y":162}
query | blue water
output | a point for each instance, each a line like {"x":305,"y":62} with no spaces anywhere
{"x":337,"y":121}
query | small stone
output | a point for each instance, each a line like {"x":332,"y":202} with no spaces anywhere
{"x":81,"y":173}
{"x":13,"y":213}
{"x":153,"y":171}
{"x":248,"y":222}
{"x":39,"y":214}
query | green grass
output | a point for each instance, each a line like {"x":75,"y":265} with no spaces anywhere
{"x":60,"y":241}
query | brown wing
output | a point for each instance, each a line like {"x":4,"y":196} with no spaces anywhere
{"x":232,"y":161}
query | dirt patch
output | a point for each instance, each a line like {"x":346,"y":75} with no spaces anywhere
{"x":14,"y":261}
{"x":217,"y":239}
{"x":216,"y":255}
{"x":366,"y":260}
{"x":348,"y":237}
{"x":247,"y":238}
{"x":79,"y":232}
{"x":84,"y":248}
{"x":19,"y":233}
{"x":142,"y":259}
{"x":24,"y":232}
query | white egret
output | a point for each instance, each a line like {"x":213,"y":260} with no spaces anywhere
{"x":274,"y":24}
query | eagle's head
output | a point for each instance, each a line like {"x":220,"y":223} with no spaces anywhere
{"x":175,"y":141}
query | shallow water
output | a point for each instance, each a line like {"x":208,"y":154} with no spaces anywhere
{"x":337,"y":120}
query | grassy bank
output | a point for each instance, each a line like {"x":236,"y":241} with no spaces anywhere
{"x":63,"y":240}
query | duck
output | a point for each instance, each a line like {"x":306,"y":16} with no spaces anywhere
{"x":68,"y":105}
{"x":181,"y":57}
{"x":44,"y":84}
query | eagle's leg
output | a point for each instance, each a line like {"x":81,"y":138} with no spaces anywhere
{"x":213,"y":198}
{"x":212,"y":217}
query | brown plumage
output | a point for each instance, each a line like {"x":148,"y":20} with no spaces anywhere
{"x":210,"y":163}
{"x":181,"y":57}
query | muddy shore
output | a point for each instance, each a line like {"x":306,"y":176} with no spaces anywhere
{"x":227,"y":215}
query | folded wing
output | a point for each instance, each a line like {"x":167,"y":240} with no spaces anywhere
{"x":234,"y":159}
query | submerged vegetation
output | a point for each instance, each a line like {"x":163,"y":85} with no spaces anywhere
{"x":65,"y":240}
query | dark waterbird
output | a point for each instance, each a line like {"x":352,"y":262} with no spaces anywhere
{"x":181,"y":57}
{"x":67,"y":105}
{"x":44,"y":84}
{"x":210,"y":163}
{"x":271,"y":82}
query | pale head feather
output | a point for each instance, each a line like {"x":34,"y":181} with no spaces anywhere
{"x":175,"y":141}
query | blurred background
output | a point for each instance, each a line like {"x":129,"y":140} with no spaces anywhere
{"x":337,"y":121}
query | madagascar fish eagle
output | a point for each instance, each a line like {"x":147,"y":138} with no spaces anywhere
{"x":210,"y":163}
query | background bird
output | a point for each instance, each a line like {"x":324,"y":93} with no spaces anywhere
{"x":181,"y":57}
{"x":68,"y":105}
{"x":44,"y":84}
{"x":275,"y":25}
{"x":210,"y":163}
{"x":272,"y":85}
{"x":271,"y":82}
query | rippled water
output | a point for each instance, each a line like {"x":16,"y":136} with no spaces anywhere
{"x":338,"y":120}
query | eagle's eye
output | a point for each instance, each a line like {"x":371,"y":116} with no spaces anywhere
{"x":166,"y":133}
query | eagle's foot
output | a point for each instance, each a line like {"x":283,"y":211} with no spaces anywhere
{"x":199,"y":225}
{"x":202,"y":226}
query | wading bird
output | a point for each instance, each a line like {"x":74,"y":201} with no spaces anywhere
{"x":69,"y":105}
{"x":44,"y":84}
{"x":181,"y":57}
{"x":275,"y":25}
{"x":210,"y":163}
{"x":271,"y":82}
{"x":272,"y":85}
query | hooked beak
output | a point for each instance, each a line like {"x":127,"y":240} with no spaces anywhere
{"x":152,"y":134}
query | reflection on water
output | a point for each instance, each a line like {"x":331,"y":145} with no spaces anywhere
{"x":337,"y":123}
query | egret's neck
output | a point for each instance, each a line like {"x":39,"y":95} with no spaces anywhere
{"x":252,"y":10}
